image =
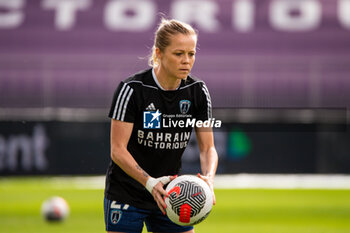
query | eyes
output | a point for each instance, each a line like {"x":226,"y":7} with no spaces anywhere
{"x":190,"y":54}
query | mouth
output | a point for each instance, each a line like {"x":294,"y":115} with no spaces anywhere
{"x":184,"y":70}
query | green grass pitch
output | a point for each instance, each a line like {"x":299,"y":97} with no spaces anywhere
{"x":237,"y":210}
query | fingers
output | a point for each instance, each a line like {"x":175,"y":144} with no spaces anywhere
{"x":173,"y":177}
{"x":158,"y":194}
{"x":210,"y":183}
{"x":155,"y":187}
{"x":214,"y":199}
{"x":164,"y":179}
{"x":200,"y":176}
{"x":205,"y":178}
{"x":160,"y":202}
{"x":152,"y":182}
{"x":213,"y":194}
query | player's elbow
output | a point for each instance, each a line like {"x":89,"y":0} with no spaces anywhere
{"x":117,"y":152}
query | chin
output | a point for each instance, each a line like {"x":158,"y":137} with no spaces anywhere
{"x":182,"y":76}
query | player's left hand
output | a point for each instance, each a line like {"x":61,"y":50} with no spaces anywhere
{"x":210,"y":182}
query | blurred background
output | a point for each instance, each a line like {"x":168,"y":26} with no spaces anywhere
{"x":278,"y":72}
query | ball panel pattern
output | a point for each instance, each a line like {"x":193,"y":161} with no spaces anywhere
{"x":189,"y":200}
{"x":187,"y":193}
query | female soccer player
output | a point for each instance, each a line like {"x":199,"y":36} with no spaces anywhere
{"x":148,"y":138}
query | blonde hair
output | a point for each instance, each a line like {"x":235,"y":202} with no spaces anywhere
{"x":165,"y":30}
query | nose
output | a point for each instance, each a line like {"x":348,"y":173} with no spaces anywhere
{"x":186,"y":59}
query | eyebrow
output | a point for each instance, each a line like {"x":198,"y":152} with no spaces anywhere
{"x":181,"y":50}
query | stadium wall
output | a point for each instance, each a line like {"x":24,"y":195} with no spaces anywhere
{"x":71,"y":148}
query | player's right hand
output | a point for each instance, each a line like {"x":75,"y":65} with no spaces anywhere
{"x":155,"y":187}
{"x":210,"y":182}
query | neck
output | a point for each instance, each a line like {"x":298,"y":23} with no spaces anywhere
{"x":165,"y":81}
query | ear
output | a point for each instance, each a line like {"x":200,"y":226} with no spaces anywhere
{"x":158,"y":53}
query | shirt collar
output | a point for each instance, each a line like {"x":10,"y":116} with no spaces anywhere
{"x":158,"y":84}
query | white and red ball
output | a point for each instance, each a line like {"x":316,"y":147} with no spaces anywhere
{"x":189,"y":200}
{"x":55,"y":209}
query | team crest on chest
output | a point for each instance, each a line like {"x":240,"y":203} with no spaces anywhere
{"x":184,"y":106}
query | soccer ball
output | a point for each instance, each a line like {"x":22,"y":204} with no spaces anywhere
{"x":55,"y":209}
{"x":189,"y":200}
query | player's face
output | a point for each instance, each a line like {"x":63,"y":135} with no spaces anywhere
{"x":178,"y":58}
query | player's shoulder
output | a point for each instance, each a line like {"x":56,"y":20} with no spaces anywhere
{"x":140,"y":79}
